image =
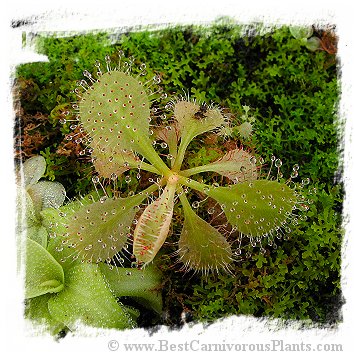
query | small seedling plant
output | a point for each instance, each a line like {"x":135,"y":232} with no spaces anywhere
{"x":123,"y":118}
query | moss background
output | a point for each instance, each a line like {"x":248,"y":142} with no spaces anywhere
{"x":293,"y":94}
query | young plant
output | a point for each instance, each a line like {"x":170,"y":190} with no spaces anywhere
{"x":116,"y":111}
{"x":304,"y":36}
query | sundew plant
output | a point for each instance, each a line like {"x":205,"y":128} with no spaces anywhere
{"x":179,"y":181}
{"x":114,"y":111}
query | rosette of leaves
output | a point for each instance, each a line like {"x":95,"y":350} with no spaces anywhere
{"x":304,"y":36}
{"x":115,"y":110}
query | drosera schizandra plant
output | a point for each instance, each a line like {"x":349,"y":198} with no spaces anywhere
{"x":122,"y":127}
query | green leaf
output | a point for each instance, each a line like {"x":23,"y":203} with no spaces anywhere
{"x":39,"y":234}
{"x":313,"y":43}
{"x":33,"y":169}
{"x":86,"y":298}
{"x":26,"y":214}
{"x":115,"y":113}
{"x":153,"y":225}
{"x":36,"y":309}
{"x":97,"y":231}
{"x":201,"y":246}
{"x":46,"y":194}
{"x":110,"y":163}
{"x":43,"y":273}
{"x":238,"y":165}
{"x":55,"y":220}
{"x":301,"y":32}
{"x":256,"y":208}
{"x":143,"y":285}
{"x":193,"y":120}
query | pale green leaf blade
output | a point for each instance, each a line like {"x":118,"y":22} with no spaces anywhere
{"x":86,"y":298}
{"x":115,"y":113}
{"x":201,"y":246}
{"x":194,"y":120}
{"x":143,"y":284}
{"x":46,"y":194}
{"x":26,"y":214}
{"x":33,"y":169}
{"x":299,"y":32}
{"x":238,"y":165}
{"x":256,"y":208}
{"x":313,"y":43}
{"x":43,"y":273}
{"x":153,"y":226}
{"x":91,"y":232}
{"x":36,"y":310}
{"x":39,"y":234}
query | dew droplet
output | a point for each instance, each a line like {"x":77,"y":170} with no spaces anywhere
{"x":113,"y":176}
{"x":305,"y":181}
{"x":195,"y":204}
{"x":128,"y":179}
{"x":95,"y":179}
{"x":252,"y":160}
{"x":278,"y":163}
{"x":211,"y":210}
{"x":295,"y":167}
{"x":294,"y":174}
{"x":156,"y":79}
{"x":164,"y":145}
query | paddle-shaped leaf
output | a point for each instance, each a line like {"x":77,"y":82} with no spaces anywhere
{"x":86,"y":298}
{"x":201,"y":246}
{"x":43,"y":273}
{"x":256,"y":208}
{"x":33,"y":169}
{"x":142,"y":285}
{"x":115,"y":112}
{"x":36,"y":310}
{"x":47,"y":194}
{"x":111,"y":162}
{"x":194,"y":120}
{"x":238,"y":165}
{"x":153,"y":225}
{"x":98,"y":231}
